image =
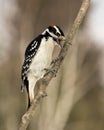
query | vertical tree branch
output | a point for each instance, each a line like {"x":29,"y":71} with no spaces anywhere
{"x":42,"y":83}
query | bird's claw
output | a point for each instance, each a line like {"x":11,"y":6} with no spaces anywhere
{"x":43,"y":93}
{"x":56,"y":59}
{"x":50,"y":70}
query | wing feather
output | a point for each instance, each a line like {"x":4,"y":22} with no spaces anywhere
{"x":30,"y":52}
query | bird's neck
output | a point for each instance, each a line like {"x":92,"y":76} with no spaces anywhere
{"x":47,"y":35}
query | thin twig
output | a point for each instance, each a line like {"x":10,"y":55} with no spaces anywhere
{"x":42,"y":83}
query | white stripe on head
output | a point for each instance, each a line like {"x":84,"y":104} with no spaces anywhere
{"x":57,"y":29}
{"x":53,"y":35}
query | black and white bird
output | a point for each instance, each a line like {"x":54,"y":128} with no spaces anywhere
{"x":38,"y":56}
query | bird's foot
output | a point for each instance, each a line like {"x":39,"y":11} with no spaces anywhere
{"x":43,"y":93}
{"x":57,"y":59}
{"x":50,"y":70}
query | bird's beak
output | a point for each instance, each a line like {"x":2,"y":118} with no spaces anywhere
{"x":61,"y":38}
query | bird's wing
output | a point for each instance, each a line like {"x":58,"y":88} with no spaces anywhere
{"x":30,"y":52}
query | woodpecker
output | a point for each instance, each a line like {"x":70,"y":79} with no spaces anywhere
{"x":38,"y":56}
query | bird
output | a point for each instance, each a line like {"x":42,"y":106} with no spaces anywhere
{"x":38,"y":56}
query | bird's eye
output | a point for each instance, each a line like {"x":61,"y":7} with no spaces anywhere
{"x":58,"y":34}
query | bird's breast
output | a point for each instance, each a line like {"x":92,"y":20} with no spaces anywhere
{"x":42,"y":59}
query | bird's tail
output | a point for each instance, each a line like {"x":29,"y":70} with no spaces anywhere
{"x":30,"y":91}
{"x":29,"y":104}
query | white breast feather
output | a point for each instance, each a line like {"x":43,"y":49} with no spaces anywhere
{"x":42,"y":59}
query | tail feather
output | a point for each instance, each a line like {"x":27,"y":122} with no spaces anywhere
{"x":30,"y":91}
{"x":29,"y":104}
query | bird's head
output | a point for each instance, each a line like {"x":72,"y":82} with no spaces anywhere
{"x":56,"y":33}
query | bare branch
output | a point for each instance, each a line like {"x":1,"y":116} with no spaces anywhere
{"x":42,"y":83}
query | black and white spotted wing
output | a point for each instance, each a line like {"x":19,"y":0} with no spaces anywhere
{"x":29,"y":54}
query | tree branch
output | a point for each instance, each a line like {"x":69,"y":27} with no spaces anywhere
{"x":42,"y":83}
